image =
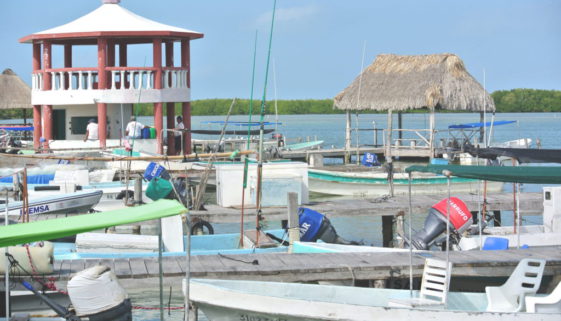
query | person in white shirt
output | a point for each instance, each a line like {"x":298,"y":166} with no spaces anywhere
{"x":92,"y":130}
{"x":178,"y":126}
{"x":134,"y":128}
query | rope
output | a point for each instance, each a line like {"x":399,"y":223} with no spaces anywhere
{"x":48,"y":284}
{"x":254,"y":262}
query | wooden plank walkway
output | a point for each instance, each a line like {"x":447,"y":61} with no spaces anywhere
{"x":529,"y":203}
{"x":316,"y":267}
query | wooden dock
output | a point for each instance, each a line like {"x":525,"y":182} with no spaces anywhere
{"x":530,"y":203}
{"x":313,"y":267}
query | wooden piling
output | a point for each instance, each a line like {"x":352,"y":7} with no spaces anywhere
{"x":293,"y":221}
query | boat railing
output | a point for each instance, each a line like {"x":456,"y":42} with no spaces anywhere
{"x":410,"y":138}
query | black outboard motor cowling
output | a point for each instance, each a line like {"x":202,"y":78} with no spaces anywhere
{"x":435,"y":223}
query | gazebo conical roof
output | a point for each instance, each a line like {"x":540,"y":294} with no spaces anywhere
{"x":111,"y":20}
{"x":14,"y":92}
{"x":399,"y":83}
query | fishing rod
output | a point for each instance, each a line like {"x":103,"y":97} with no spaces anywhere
{"x":262,"y":128}
{"x":246,"y":159}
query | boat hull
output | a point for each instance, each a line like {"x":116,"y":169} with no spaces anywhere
{"x":80,"y":202}
{"x":247,"y":300}
{"x":365,"y":186}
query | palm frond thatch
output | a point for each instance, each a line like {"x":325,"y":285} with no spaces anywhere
{"x":399,"y":83}
{"x":14,"y":92}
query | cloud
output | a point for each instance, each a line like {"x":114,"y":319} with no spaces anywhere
{"x":294,"y":14}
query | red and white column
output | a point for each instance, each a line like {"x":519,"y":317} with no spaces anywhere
{"x":37,"y":128}
{"x":158,"y":107}
{"x":102,"y":84}
{"x":47,"y":85}
{"x":67,"y":64}
{"x":170,"y":107}
{"x":186,"y":106}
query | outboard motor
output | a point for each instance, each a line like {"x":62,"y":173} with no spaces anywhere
{"x":435,"y":223}
{"x":97,"y":295}
{"x":315,"y":226}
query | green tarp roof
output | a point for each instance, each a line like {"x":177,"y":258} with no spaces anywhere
{"x":514,"y":174}
{"x":67,"y":226}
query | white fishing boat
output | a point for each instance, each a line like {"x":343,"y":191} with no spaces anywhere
{"x":79,"y":202}
{"x":253,"y":300}
{"x":372,"y":183}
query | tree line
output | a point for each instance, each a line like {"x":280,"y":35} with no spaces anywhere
{"x":515,"y":100}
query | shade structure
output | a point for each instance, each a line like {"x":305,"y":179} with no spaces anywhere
{"x":399,"y":83}
{"x":56,"y":228}
{"x":508,"y":174}
{"x":14,"y":92}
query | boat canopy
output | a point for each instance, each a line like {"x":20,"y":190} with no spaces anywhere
{"x":514,"y":174}
{"x":56,"y":228}
{"x":523,"y":155}
{"x":479,"y":125}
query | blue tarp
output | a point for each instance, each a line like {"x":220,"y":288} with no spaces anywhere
{"x":479,"y":125}
{"x":17,"y":128}
{"x":31,"y":179}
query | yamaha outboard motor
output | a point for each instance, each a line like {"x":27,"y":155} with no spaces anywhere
{"x":315,"y":226}
{"x":435,"y":223}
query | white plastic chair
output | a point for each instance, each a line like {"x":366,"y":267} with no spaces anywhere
{"x":545,"y":304}
{"x":525,"y":279}
{"x":434,"y":286}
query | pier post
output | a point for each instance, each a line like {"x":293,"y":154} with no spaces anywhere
{"x":293,"y":222}
{"x":387,"y":231}
{"x":348,"y":138}
{"x":138,"y":190}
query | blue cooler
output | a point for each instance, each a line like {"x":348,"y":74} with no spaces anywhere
{"x":155,"y":170}
{"x":145,"y":133}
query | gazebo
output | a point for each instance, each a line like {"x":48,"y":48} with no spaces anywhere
{"x":400,"y":83}
{"x":107,"y":87}
{"x":14,"y":91}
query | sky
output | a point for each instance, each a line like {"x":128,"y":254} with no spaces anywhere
{"x":319,"y":46}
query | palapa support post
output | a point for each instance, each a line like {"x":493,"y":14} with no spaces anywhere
{"x":293,"y":221}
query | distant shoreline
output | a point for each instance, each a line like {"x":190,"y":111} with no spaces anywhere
{"x":506,"y":101}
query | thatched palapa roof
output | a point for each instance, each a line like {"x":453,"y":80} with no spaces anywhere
{"x":14,"y":92}
{"x":400,"y":83}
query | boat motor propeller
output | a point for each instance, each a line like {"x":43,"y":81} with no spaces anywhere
{"x":435,"y":223}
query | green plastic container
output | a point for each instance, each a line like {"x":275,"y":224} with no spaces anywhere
{"x":152,"y":132}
